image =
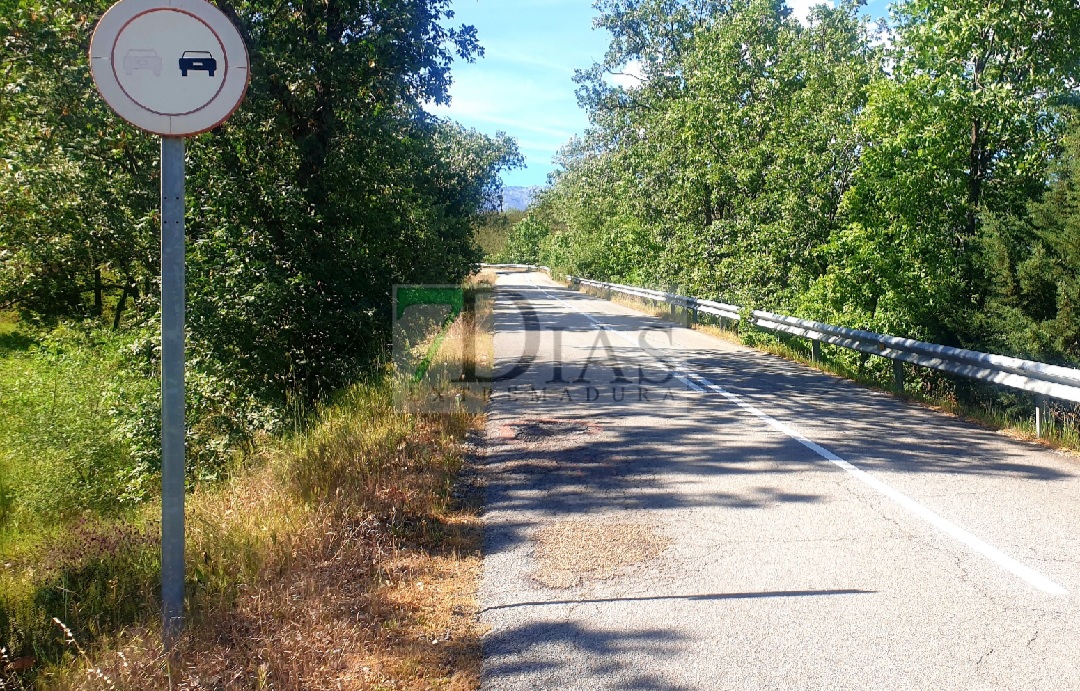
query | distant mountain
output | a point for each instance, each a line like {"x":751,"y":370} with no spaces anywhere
{"x":519,"y":198}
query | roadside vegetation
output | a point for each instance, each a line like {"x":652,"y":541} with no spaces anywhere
{"x":325,"y":544}
{"x":984,"y":404}
{"x":492,"y":234}
{"x":915,"y":179}
{"x":343,"y":554}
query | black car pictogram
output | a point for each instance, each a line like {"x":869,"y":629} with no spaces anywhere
{"x":197,"y":60}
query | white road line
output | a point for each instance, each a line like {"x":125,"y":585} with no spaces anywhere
{"x":1026,"y":573}
{"x":992,"y":553}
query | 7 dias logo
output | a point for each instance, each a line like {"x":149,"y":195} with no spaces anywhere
{"x":456,"y":349}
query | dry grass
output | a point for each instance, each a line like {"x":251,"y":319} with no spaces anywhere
{"x":338,"y":594}
{"x":570,"y":552}
{"x":484,"y":278}
{"x":468,"y":346}
{"x":341,"y":560}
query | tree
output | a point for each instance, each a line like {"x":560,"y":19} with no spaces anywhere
{"x":962,"y":129}
{"x":523,"y":242}
{"x":327,"y":187}
{"x":77,"y":189}
{"x":722,"y":173}
{"x":1031,"y":268}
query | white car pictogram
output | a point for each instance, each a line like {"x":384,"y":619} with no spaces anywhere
{"x":142,"y":59}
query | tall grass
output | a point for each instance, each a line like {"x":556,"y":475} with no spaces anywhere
{"x":74,"y":460}
{"x":300,"y":563}
{"x":68,"y":401}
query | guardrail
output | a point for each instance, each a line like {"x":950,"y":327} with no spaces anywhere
{"x":1043,"y":380}
{"x":516,"y":266}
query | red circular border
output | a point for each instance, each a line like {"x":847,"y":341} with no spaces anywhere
{"x":224,"y":57}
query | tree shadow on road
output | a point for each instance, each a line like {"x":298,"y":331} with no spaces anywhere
{"x":877,"y":431}
{"x":565,"y":655}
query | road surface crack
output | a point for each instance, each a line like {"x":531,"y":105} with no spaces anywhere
{"x":875,"y":507}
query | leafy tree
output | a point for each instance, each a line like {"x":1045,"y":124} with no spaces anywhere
{"x":723,"y":171}
{"x":962,"y":129}
{"x":523,"y":242}
{"x":77,"y":188}
{"x":1031,"y":265}
{"x":768,"y":133}
{"x":329,"y":185}
{"x":492,"y":231}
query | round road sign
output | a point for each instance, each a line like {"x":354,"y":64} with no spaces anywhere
{"x":172,"y":67}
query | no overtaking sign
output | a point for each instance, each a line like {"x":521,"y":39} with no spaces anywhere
{"x":175,"y":68}
{"x":171,"y":67}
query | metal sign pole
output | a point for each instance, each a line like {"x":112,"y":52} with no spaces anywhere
{"x":172,"y":387}
{"x":177,"y":72}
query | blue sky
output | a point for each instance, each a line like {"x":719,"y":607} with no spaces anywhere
{"x":523,"y":86}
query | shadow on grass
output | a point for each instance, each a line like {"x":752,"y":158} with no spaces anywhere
{"x":15,"y":341}
{"x":97,"y":578}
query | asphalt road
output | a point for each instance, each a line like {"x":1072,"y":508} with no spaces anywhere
{"x":802,"y":531}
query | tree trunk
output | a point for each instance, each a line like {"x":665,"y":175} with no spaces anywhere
{"x":975,"y":177}
{"x":99,"y":301}
{"x":708,"y":206}
{"x":119,"y":308}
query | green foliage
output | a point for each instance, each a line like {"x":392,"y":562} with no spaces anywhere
{"x":524,"y":241}
{"x":306,"y":222}
{"x":492,"y":231}
{"x":963,"y":129}
{"x":96,"y":577}
{"x":72,"y":438}
{"x":1030,"y":262}
{"x":77,"y":191}
{"x":81,"y":434}
{"x":723,"y":171}
{"x":818,"y":170}
{"x":326,"y":188}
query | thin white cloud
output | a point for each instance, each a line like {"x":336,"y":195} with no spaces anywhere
{"x":801,"y":8}
{"x":480,"y":112}
{"x":631,"y":76}
{"x":505,"y":98}
{"x":520,"y":58}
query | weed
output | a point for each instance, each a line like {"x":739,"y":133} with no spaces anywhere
{"x":295,"y":563}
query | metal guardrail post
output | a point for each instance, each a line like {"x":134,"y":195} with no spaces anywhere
{"x":815,"y":350}
{"x":1041,"y":414}
{"x":898,"y":375}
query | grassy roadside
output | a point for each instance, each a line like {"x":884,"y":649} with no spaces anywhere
{"x":1006,"y":412}
{"x":340,"y":557}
